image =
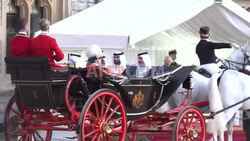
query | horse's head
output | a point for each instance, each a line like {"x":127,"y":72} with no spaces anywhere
{"x":239,"y":58}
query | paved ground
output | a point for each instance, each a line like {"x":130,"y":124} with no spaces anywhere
{"x":238,"y":136}
{"x":6,"y":90}
{"x":1,"y":136}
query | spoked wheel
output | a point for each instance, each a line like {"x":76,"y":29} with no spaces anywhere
{"x":103,"y":118}
{"x":75,"y":97}
{"x":189,"y":125}
{"x":16,"y":129}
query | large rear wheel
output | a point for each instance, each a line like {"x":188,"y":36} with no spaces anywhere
{"x":103,"y":118}
{"x":189,"y":125}
{"x":75,"y":96}
{"x":17,"y":129}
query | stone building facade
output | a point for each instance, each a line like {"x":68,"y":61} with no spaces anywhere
{"x":33,"y":11}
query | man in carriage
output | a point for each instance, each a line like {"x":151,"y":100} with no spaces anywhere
{"x":119,"y":63}
{"x":20,"y":44}
{"x":143,"y":68}
{"x":44,"y":45}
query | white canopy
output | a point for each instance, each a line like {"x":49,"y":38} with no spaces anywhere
{"x":228,"y":23}
{"x":153,"y":25}
{"x":119,"y":23}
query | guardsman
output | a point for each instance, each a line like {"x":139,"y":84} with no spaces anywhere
{"x":20,"y":44}
{"x":44,"y":45}
{"x":94,"y":55}
{"x":94,"y":64}
{"x":205,"y":51}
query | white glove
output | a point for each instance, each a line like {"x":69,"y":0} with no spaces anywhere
{"x":247,"y":68}
{"x":235,"y":45}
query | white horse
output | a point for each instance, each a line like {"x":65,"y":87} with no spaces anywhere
{"x":199,"y":92}
{"x":238,"y":60}
{"x":233,"y":87}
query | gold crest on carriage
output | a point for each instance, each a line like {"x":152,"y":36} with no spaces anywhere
{"x":138,"y":100}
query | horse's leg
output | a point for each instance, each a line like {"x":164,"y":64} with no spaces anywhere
{"x":230,"y":129}
{"x":214,"y":137}
{"x":221,"y":135}
{"x":229,"y":116}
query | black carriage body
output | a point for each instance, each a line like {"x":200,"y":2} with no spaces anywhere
{"x":139,"y":95}
{"x":144,"y":95}
{"x":36,"y":86}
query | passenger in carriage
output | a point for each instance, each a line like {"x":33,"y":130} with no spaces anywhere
{"x":172,"y":54}
{"x":94,"y":55}
{"x":92,"y":73}
{"x":169,"y":64}
{"x":119,"y":63}
{"x":205,"y":51}
{"x":20,"y":44}
{"x":44,"y":45}
{"x":143,"y":68}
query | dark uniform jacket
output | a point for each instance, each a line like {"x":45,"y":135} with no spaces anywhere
{"x":205,"y":51}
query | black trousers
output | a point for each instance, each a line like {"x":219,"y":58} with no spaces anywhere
{"x":246,"y":126}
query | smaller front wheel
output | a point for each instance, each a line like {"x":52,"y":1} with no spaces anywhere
{"x":189,"y":125}
{"x":103,"y":117}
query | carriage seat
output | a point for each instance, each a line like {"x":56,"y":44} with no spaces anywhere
{"x":37,"y":85}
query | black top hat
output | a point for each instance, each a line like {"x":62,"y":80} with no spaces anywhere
{"x":172,"y":51}
{"x":204,"y":30}
{"x":139,"y":54}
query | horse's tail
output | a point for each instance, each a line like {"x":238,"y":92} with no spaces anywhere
{"x":216,"y":125}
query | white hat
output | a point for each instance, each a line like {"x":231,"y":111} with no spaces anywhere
{"x":94,"y":51}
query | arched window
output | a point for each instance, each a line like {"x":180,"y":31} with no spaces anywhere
{"x":35,"y":16}
{"x":13,"y":16}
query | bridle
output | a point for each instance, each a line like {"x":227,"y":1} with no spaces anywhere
{"x":229,"y":64}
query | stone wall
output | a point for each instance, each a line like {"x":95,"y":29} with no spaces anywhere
{"x":79,"y":5}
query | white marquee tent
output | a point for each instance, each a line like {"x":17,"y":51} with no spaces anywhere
{"x":153,"y":25}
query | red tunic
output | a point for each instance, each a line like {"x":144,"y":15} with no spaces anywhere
{"x":44,"y":45}
{"x":20,"y":46}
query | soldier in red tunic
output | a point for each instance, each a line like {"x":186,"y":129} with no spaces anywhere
{"x":44,"y":45}
{"x":20,"y":44}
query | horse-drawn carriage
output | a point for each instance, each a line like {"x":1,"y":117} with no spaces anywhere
{"x":96,"y":107}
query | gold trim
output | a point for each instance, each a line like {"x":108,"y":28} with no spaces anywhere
{"x":138,"y":99}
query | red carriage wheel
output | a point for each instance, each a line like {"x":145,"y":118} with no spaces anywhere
{"x":189,"y":125}
{"x":103,"y":117}
{"x":74,"y":95}
{"x":16,"y":129}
